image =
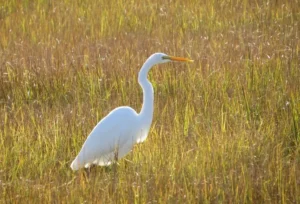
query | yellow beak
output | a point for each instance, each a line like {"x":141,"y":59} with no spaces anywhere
{"x":180,"y":59}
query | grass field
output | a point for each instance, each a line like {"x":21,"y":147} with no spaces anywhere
{"x":226,"y":128}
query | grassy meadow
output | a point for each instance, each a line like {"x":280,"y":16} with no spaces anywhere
{"x":226,"y":128}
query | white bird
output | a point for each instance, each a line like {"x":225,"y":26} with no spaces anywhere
{"x":115,"y":135}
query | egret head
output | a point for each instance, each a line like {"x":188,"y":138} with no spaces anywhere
{"x":163,"y":58}
{"x":158,"y":58}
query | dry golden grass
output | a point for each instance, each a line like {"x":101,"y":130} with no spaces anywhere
{"x":226,"y":128}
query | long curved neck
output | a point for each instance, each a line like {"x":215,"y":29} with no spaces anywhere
{"x":148,"y":93}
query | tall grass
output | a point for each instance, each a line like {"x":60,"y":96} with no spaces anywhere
{"x":226,"y":128}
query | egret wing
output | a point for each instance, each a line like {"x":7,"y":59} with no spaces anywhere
{"x":111,"y":133}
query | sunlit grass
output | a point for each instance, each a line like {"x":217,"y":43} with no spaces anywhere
{"x":225,"y":128}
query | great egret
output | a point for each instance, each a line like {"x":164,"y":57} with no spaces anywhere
{"x":115,"y":135}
